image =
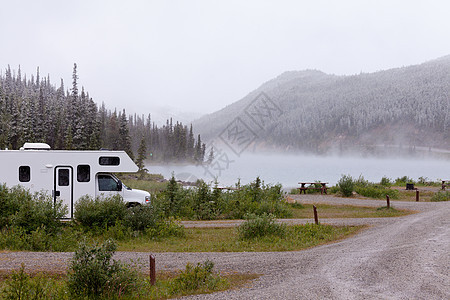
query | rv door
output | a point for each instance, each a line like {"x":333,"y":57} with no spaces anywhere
{"x":63,"y":187}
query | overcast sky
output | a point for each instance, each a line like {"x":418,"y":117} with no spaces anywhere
{"x":148,"y":56}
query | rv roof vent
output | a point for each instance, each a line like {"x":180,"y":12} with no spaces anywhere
{"x":36,"y":146}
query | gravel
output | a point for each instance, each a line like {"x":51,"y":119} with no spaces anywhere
{"x":396,"y":258}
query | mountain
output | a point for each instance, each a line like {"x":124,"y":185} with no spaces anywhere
{"x":316,"y":112}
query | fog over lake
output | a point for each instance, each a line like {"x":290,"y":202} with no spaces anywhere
{"x":290,"y":169}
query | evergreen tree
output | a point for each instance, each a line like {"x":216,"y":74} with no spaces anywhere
{"x":124,"y":135}
{"x":142,"y":154}
{"x":198,"y":157}
{"x":68,"y":144}
{"x":190,"y":144}
{"x":211,"y":156}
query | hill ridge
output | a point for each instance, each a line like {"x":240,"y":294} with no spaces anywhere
{"x":405,"y":106}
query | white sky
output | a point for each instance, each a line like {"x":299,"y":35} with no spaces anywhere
{"x":153,"y":56}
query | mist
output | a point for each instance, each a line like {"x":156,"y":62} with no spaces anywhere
{"x":289,"y":169}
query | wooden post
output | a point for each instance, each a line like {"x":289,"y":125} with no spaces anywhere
{"x":316,"y":218}
{"x":388,"y":203}
{"x":417,"y":195}
{"x":152,"y":270}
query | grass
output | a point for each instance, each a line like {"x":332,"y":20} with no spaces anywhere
{"x":162,"y":288}
{"x":345,"y":211}
{"x":227,"y":240}
{"x":149,"y":186}
{"x":55,"y":285}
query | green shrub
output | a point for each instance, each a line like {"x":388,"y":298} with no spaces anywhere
{"x":377,"y":192}
{"x":346,"y":185}
{"x":93,"y":273}
{"x":20,"y":208}
{"x":205,"y":201}
{"x":403,"y":180}
{"x":361,"y":182}
{"x":100,"y":212}
{"x":193,"y":278}
{"x":165,"y":228}
{"x":385,"y":181}
{"x":259,"y":226}
{"x":173,"y":198}
{"x":334,"y":189}
{"x":40,"y":212}
{"x":441,"y":196}
{"x":20,"y":285}
{"x":141,"y":217}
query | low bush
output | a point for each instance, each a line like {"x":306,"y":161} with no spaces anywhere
{"x":100,"y":212}
{"x":20,"y":208}
{"x":165,"y":228}
{"x":195,"y":278}
{"x":93,"y":273}
{"x":441,"y":196}
{"x":346,"y":185}
{"x":377,"y":192}
{"x":140,"y":217}
{"x":385,"y":181}
{"x":258,"y":226}
{"x":403,"y":180}
{"x":255,"y":198}
{"x":20,"y":285}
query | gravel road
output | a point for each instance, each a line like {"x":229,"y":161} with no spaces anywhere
{"x":397,"y":258}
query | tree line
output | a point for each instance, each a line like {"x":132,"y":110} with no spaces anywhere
{"x":35,"y":110}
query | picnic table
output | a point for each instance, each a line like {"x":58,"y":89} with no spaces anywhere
{"x":312,"y":186}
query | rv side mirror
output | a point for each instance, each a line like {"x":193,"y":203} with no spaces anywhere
{"x":119,"y":185}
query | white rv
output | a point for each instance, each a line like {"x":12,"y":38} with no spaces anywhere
{"x":69,"y":175}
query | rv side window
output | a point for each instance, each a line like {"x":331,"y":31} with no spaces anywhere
{"x":109,"y":161}
{"x":83,"y":173}
{"x":107,"y":183}
{"x":63,"y":177}
{"x":24,"y":173}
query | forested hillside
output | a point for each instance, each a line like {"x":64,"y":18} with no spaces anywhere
{"x":316,"y":112}
{"x":34,"y":110}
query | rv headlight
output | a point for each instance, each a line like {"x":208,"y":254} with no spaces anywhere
{"x":147,"y":199}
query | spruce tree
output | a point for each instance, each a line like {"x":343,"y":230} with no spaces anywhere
{"x":124,"y":135}
{"x":142,"y":153}
{"x":211,"y":156}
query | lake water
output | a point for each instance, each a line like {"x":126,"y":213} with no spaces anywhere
{"x":290,"y":169}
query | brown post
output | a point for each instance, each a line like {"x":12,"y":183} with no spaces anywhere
{"x":388,"y":203}
{"x":417,"y":195}
{"x":316,"y":218}
{"x":152,"y":270}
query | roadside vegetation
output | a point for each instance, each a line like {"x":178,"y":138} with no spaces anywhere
{"x":441,"y":196}
{"x":348,"y":186}
{"x":31,"y":221}
{"x":93,"y":274}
